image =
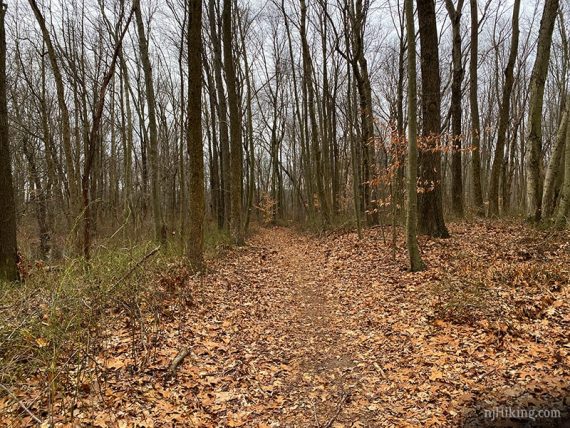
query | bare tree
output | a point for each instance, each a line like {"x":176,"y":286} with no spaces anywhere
{"x":554,"y":168}
{"x":431,"y":219}
{"x":474,"y":106}
{"x":65,"y":127}
{"x":538,"y":79}
{"x":312,"y":116}
{"x":194,"y":136}
{"x":456,"y":109}
{"x":159,"y":226}
{"x":416,"y":263}
{"x":8,"y":244}
{"x":236,"y":152}
{"x":504,"y":115}
{"x":563,"y":214}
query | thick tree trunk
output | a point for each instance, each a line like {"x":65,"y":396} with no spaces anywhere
{"x":537,"y":83}
{"x":431,"y":221}
{"x":456,"y":110}
{"x":8,"y":244}
{"x":194,"y":137}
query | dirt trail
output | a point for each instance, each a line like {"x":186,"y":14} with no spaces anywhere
{"x":305,"y":308}
{"x":333,"y":333}
{"x":292,"y":330}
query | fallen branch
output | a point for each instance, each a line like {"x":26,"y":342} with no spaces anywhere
{"x":176,"y":362}
{"x":317,"y":423}
{"x":337,"y":411}
{"x":22,"y":405}
{"x":138,"y":264}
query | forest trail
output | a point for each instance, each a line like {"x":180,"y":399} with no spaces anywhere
{"x":293,"y":320}
{"x":284,"y":332}
{"x":308,"y":316}
{"x":297,"y":330}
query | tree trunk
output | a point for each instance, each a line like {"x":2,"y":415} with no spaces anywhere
{"x":72,"y":173}
{"x":8,"y":244}
{"x":223,"y":117}
{"x":456,"y":111}
{"x":159,"y":226}
{"x":249,"y":129}
{"x":236,"y":152}
{"x":217,"y":192}
{"x":416,"y":263}
{"x":194,"y":137}
{"x":553,"y":170}
{"x":474,"y":106}
{"x":362,"y":79}
{"x":431,"y":221}
{"x":537,"y":83}
{"x":504,"y":116}
{"x":563,"y":214}
{"x":38,"y":196}
{"x":314,"y":132}
{"x":126,"y":136}
{"x":93,"y":136}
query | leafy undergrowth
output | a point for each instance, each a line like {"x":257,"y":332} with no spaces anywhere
{"x":294,"y":330}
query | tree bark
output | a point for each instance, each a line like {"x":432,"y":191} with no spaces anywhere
{"x":504,"y":116}
{"x":72,"y":173}
{"x":93,"y":136}
{"x":416,"y":263}
{"x":537,"y":83}
{"x":194,"y":136}
{"x":553,"y":170}
{"x":474,"y":106}
{"x":236,"y":152}
{"x":159,"y":226}
{"x":314,"y":132}
{"x":359,"y":64}
{"x":217,"y":192}
{"x":431,"y":221}
{"x":456,"y":110}
{"x":563,"y":214}
{"x":225,"y":176}
{"x":8,"y":244}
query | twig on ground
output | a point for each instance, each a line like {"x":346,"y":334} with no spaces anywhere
{"x":22,"y":405}
{"x":317,"y":423}
{"x":339,"y":405}
{"x":176,"y":362}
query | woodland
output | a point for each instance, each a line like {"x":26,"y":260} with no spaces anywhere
{"x":285,"y":213}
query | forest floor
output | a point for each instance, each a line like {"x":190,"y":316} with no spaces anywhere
{"x":297,"y":330}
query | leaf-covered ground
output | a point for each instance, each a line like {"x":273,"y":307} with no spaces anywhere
{"x":295,"y":330}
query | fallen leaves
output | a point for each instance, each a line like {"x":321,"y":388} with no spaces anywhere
{"x":295,"y":330}
{"x":435,"y":375}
